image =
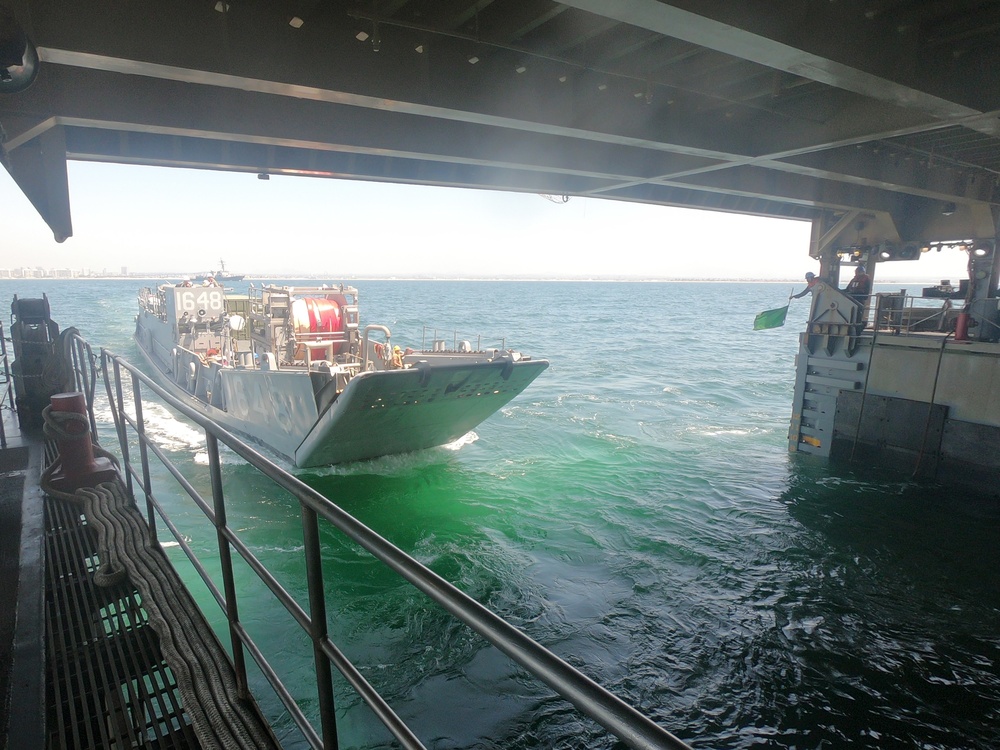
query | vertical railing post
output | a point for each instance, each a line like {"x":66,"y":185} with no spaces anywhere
{"x":226,"y":563}
{"x":318,"y":627}
{"x":6,"y":380}
{"x":123,"y":431}
{"x":147,"y":485}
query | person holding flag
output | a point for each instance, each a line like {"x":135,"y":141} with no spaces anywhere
{"x":776,"y":318}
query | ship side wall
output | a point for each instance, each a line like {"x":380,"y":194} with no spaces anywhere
{"x":928,"y":406}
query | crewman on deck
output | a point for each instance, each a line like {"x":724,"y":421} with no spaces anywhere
{"x":860,"y":286}
{"x":185,"y":281}
{"x":811,"y":281}
{"x":396,"y":362}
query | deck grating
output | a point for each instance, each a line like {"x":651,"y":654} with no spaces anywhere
{"x":108,"y":683}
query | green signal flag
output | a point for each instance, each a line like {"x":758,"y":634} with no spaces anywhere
{"x":770,"y":319}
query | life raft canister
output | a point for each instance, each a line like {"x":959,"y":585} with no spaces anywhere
{"x":315,"y":315}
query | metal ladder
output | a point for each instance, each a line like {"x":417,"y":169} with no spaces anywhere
{"x":831,"y":359}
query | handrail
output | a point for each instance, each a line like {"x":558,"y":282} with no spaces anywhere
{"x":898,"y":313}
{"x":632,"y":727}
{"x":7,"y":397}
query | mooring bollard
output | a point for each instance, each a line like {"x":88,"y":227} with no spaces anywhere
{"x":67,"y":423}
{"x":962,"y":327}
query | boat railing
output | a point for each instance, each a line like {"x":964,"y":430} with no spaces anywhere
{"x":619,"y":718}
{"x":439,"y":341}
{"x":153,"y":301}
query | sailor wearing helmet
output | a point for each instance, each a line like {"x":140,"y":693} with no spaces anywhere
{"x":811,"y":281}
{"x":396,"y":363}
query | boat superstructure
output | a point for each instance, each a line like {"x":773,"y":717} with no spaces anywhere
{"x":293,"y":369}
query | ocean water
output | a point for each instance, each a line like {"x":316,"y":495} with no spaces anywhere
{"x":637,"y":512}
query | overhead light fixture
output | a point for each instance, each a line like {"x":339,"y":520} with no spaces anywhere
{"x":221,"y":7}
{"x":563,"y":78}
{"x":602,"y":87}
{"x":521,"y":68}
{"x":473,"y":59}
{"x":18,"y":56}
{"x":296,"y":22}
{"x":948,"y":209}
{"x":263,"y":176}
{"x":419,"y":49}
{"x":362,"y":36}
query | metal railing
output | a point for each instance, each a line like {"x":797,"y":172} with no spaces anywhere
{"x":622,"y":720}
{"x":903,"y":313}
{"x":7,"y":395}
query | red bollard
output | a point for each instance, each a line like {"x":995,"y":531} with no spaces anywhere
{"x":78,"y":466}
{"x":962,"y":327}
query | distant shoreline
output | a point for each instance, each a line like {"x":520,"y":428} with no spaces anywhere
{"x":165,"y":278}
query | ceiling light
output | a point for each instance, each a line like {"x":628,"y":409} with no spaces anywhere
{"x":521,"y":68}
{"x":563,"y":78}
{"x":419,"y":49}
{"x":222,"y":7}
{"x":18,"y":56}
{"x":473,"y":59}
{"x":296,"y":22}
{"x":361,"y":36}
{"x":602,"y":87}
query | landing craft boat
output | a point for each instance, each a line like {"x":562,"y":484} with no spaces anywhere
{"x":292,"y":369}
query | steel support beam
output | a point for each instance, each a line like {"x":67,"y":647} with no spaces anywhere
{"x":38,"y":166}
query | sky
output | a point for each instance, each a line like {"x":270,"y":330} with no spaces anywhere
{"x":167,"y":221}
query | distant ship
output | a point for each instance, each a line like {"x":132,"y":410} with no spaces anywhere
{"x":222,"y":276}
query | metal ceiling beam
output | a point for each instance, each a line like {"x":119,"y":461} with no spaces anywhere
{"x":136,"y":103}
{"x":796,"y":38}
{"x":333,"y":65}
{"x":806,"y":190}
{"x":39,"y":169}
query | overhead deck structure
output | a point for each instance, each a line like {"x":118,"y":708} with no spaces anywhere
{"x":802,"y":110}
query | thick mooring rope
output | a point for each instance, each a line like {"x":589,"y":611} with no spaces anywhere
{"x":110,"y":571}
{"x":221,"y":719}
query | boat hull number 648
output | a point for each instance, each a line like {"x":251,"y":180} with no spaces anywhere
{"x":200,"y":301}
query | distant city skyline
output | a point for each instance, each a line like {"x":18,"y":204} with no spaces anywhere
{"x":160,"y":221}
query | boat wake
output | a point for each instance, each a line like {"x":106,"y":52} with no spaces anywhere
{"x":161,"y":425}
{"x":396,"y":464}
